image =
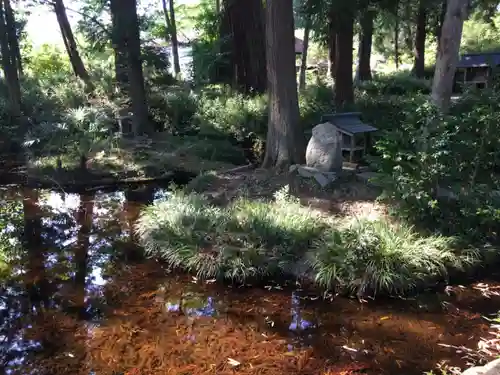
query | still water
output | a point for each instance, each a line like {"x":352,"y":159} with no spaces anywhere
{"x":77,"y":299}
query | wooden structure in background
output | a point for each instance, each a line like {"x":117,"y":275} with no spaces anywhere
{"x":476,"y":69}
{"x":355,"y":133}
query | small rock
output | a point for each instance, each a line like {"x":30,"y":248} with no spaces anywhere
{"x":492,"y":368}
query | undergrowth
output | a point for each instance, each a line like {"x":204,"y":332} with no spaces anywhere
{"x":377,"y":257}
{"x":251,"y":240}
{"x":247,"y":240}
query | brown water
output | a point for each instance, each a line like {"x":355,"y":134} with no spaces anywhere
{"x":79,"y":302}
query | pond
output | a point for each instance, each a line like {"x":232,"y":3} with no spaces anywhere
{"x":80,"y":300}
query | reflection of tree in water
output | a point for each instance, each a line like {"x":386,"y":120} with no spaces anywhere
{"x":298,"y":322}
{"x":193,"y":305}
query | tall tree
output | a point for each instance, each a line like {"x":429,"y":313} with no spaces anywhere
{"x":439,"y":25}
{"x":332,"y":42}
{"x":126,"y":26}
{"x":285,"y":141}
{"x":169,"y":13}
{"x":303,"y":62}
{"x":70,"y":44}
{"x":448,"y":55}
{"x":364,"y":71}
{"x":344,"y":90}
{"x":119,"y":46}
{"x":420,"y":36}
{"x":242,"y":28}
{"x":8,"y":42}
{"x":396,"y":34}
{"x":13,"y":38}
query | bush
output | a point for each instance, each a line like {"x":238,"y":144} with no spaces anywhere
{"x":174,"y":109}
{"x":396,"y":84}
{"x":456,"y":154}
{"x":248,"y":240}
{"x":373,"y":257}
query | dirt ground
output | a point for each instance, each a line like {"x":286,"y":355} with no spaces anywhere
{"x":344,"y":197}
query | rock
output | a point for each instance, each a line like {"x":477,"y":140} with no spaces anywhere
{"x":322,"y":178}
{"x":492,"y":368}
{"x":324,"y":150}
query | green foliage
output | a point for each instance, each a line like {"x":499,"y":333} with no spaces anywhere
{"x":401,"y":83}
{"x":458,"y":153}
{"x":480,"y":35}
{"x":48,"y":63}
{"x":174,"y":108}
{"x":247,"y":240}
{"x":372,"y":257}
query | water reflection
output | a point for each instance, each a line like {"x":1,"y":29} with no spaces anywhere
{"x":77,"y":301}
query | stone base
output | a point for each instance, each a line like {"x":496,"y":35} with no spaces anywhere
{"x":322,"y":178}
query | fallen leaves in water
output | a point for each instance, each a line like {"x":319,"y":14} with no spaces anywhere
{"x":252,"y":337}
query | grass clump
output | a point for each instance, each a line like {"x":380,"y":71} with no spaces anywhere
{"x":371,"y":257}
{"x":247,"y":240}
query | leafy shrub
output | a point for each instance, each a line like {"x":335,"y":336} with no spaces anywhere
{"x":373,"y":257}
{"x":247,"y":240}
{"x":396,"y":84}
{"x":314,"y":102}
{"x":387,"y":112}
{"x":174,"y":108}
{"x":458,"y":154}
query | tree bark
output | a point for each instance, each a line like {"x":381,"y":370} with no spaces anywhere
{"x":285,"y":141}
{"x":439,"y":26}
{"x":119,"y":46}
{"x":243,"y":26}
{"x":344,"y":90}
{"x":364,"y":71}
{"x":13,"y":39}
{"x":420,"y":36}
{"x":303,"y":63}
{"x":9,"y":62}
{"x":175,"y":43}
{"x":332,"y":43}
{"x":396,"y":35}
{"x":70,"y":44}
{"x":448,"y":55}
{"x":172,"y":27}
{"x":127,"y":23}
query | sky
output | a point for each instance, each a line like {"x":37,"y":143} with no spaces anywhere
{"x":42,"y":24}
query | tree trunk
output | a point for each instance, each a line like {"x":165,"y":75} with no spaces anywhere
{"x":420,"y":36}
{"x":344,"y":90}
{"x":243,"y":26}
{"x":439,"y":26}
{"x":303,"y":63}
{"x":217,"y":7}
{"x":396,"y":36}
{"x":173,"y":37}
{"x":13,"y":39}
{"x":285,"y":141}
{"x":126,"y":25}
{"x":70,"y":44}
{"x":9,"y":62}
{"x":168,"y":35}
{"x":332,"y":43}
{"x":119,"y":47}
{"x":446,"y":64}
{"x":364,"y":71}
